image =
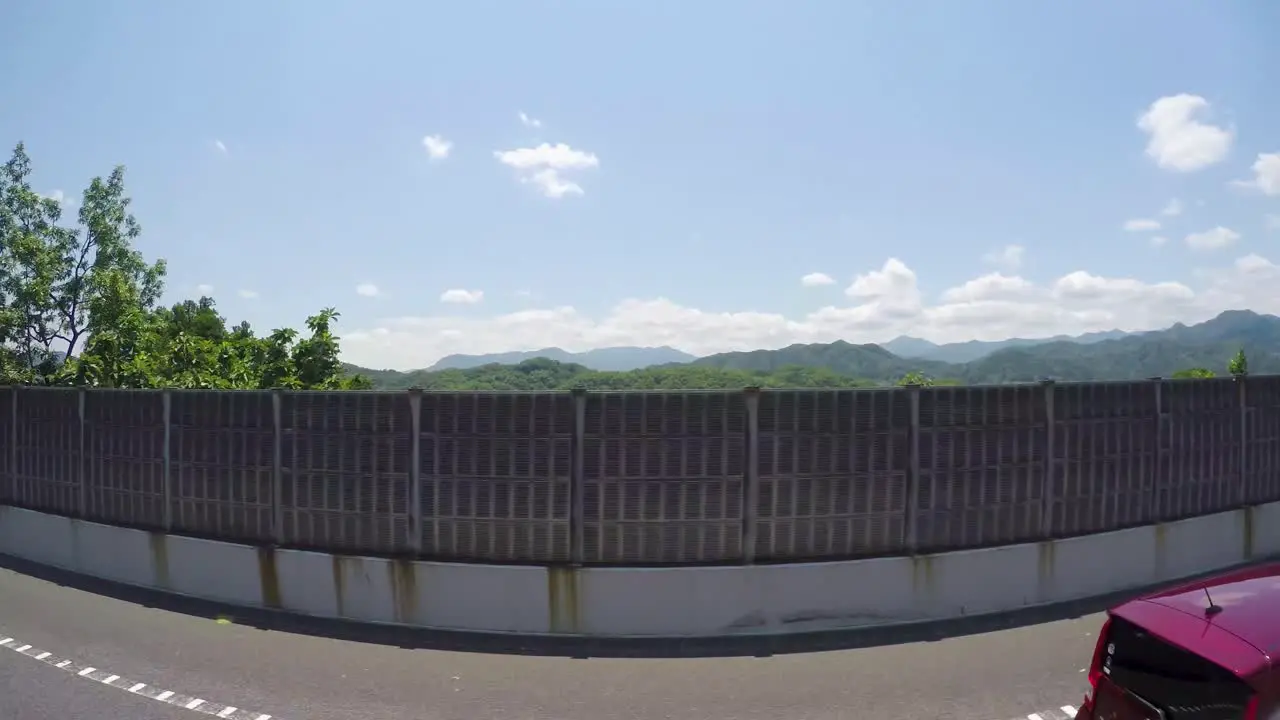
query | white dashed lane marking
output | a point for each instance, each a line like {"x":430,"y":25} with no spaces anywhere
{"x":189,"y":702}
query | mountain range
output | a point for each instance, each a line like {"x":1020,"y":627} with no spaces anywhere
{"x":611,"y":359}
{"x":1113,"y":355}
{"x":963,"y":352}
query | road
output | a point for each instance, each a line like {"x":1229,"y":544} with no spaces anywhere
{"x":993,"y":676}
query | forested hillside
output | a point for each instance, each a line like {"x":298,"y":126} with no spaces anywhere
{"x":542,"y":374}
{"x":610,"y":358}
{"x":1200,"y":350}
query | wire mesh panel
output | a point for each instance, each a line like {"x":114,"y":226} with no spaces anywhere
{"x":663,"y":473}
{"x":662,"y":479}
{"x":1203,"y":434}
{"x":495,"y":474}
{"x":1105,"y":466}
{"x":47,"y":470}
{"x":346,"y":470}
{"x":832,"y":473}
{"x":124,"y":463}
{"x":7,"y":446}
{"x":982,"y":477}
{"x":221,"y":458}
{"x":1262,"y":449}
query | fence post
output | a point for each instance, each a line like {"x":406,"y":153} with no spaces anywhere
{"x":81,"y":475}
{"x":577,"y":478}
{"x":1157,"y":472}
{"x":751,"y":476}
{"x":1050,"y":458}
{"x":166,"y":490}
{"x":13,"y":444}
{"x":911,"y":513}
{"x":1242,"y":385}
{"x":277,"y":468}
{"x":415,"y":471}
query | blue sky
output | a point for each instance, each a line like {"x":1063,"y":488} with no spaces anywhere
{"x":974,"y":163}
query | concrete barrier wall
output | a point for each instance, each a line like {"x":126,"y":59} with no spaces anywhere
{"x":669,"y":602}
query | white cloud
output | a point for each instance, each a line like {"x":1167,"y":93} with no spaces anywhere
{"x":367,"y":289}
{"x":995,"y":286}
{"x":1141,"y":225}
{"x":884,"y":303}
{"x":527,"y":121}
{"x":557,"y":157}
{"x":1177,"y":140}
{"x":437,"y":147}
{"x":204,"y":289}
{"x":1266,"y":175}
{"x":545,"y":164}
{"x":220,"y":146}
{"x":247,"y":294}
{"x":1159,"y":241}
{"x":1009,"y":257}
{"x":462,"y":297}
{"x":1173,"y":208}
{"x":1214,"y":239}
{"x":817,"y":279}
{"x":552,"y":185}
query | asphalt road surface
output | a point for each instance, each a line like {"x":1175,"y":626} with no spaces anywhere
{"x":106,"y":647}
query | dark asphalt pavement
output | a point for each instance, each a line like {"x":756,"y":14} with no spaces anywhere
{"x":993,"y":676}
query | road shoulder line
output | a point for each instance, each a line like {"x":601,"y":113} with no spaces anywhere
{"x":103,"y":677}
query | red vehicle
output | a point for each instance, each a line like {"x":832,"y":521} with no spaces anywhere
{"x":1207,"y":650}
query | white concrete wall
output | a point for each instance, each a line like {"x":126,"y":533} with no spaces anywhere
{"x":648,"y":602}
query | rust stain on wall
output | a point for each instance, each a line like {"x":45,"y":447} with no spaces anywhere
{"x":1248,"y":539}
{"x":339,"y":584}
{"x":563,"y":600}
{"x":922,"y":574}
{"x":404,"y":590}
{"x":1162,"y":570}
{"x":75,"y":543}
{"x":269,"y":577}
{"x":159,"y":543}
{"x":1046,"y":568}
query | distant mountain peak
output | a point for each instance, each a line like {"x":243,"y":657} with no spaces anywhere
{"x":609,"y":358}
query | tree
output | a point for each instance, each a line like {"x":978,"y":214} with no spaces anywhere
{"x":915,"y":377}
{"x":1190,"y":373}
{"x":30,"y":269}
{"x":1239,"y":364}
{"x":79,"y":306}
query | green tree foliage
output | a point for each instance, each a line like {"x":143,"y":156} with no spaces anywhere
{"x":1191,"y":373}
{"x":915,"y":377}
{"x":80,"y":306}
{"x":1239,"y":364}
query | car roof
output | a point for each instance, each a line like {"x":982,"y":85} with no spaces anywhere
{"x":1249,"y":598}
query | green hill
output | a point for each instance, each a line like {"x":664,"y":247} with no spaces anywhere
{"x":541,"y":374}
{"x":842,"y":365}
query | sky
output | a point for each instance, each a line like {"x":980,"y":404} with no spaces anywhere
{"x":483,"y":176}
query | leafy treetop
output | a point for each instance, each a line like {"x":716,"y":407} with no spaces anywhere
{"x":80,"y":306}
{"x":1239,"y":364}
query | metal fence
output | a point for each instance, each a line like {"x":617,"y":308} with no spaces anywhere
{"x":645,"y":477}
